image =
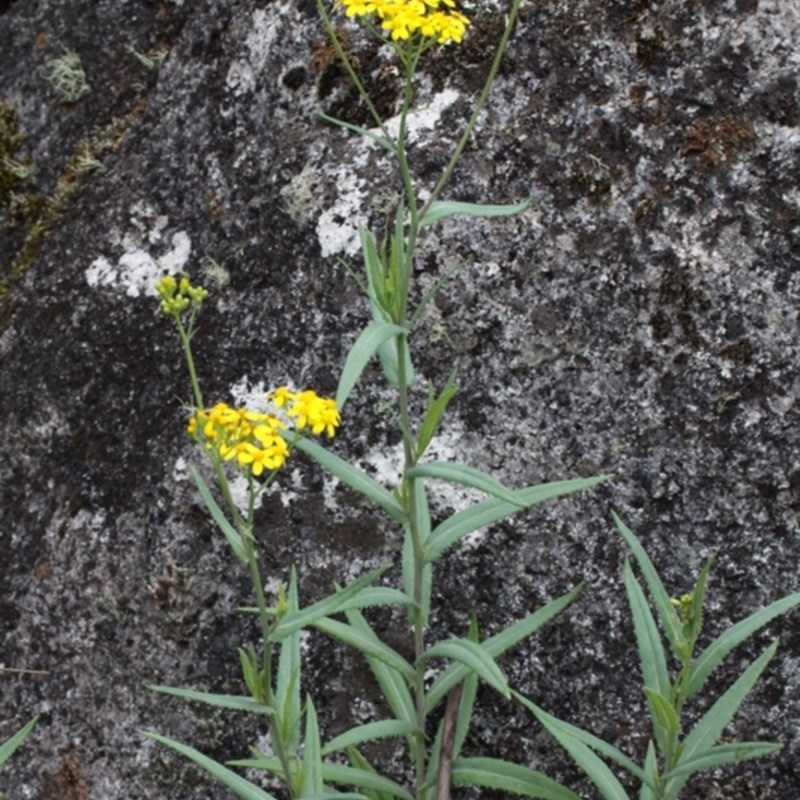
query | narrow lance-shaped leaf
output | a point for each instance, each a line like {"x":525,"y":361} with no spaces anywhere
{"x":713,"y":655}
{"x":722,"y":755}
{"x":392,"y":684}
{"x":355,"y":478}
{"x":651,"y":657}
{"x":434,"y":412}
{"x":359,"y":761}
{"x":312,"y":756}
{"x":369,"y":732}
{"x":492,"y":773}
{"x":474,"y":657}
{"x":362,"y":351}
{"x":597,"y":772}
{"x":8,"y":748}
{"x":441,"y":209}
{"x":709,"y":727}
{"x":236,"y":783}
{"x":366,"y":644}
{"x":594,"y":742}
{"x":287,"y":693}
{"x":486,"y":512}
{"x":666,"y":613}
{"x":381,"y":140}
{"x":332,"y":604}
{"x":465,"y":476}
{"x":332,"y":773}
{"x":234,"y":701}
{"x":230,"y":533}
{"x":647,"y":790}
{"x":497,"y":644}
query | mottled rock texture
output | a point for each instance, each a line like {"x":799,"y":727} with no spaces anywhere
{"x":641,"y":318}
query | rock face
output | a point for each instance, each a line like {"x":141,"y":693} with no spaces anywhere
{"x":640,"y":318}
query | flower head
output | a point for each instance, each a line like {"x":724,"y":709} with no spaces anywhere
{"x":402,"y":20}
{"x":254,"y":440}
{"x":177,"y":295}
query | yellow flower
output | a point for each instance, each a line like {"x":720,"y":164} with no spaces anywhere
{"x":404,"y":19}
{"x":253,"y":439}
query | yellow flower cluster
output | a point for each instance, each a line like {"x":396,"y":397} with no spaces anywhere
{"x":404,"y":19}
{"x":308,"y":410}
{"x":253,"y":438}
{"x":178,"y":295}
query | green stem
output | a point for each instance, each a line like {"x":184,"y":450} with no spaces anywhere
{"x":186,"y":343}
{"x":418,"y":616}
{"x":482,"y":98}
{"x":352,"y":74}
{"x":266,"y":646}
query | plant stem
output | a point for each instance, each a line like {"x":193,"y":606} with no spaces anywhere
{"x":481,"y":102}
{"x":276,"y":737}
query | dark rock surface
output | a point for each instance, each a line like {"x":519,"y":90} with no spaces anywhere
{"x":640,"y":318}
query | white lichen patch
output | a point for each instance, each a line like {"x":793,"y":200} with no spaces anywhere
{"x":148,"y":252}
{"x":263,"y":31}
{"x":424,"y":118}
{"x":337,"y":226}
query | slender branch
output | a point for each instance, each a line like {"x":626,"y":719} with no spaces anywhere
{"x":337,"y":46}
{"x":482,"y":98}
{"x":446,"y":751}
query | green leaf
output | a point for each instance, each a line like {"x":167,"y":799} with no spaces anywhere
{"x":355,"y":478}
{"x":496,"y":645}
{"x":711,"y":657}
{"x":648,"y":790}
{"x":369,"y":732}
{"x":332,"y":604}
{"x":312,"y":756}
{"x":358,"y":761}
{"x":434,"y":412}
{"x":589,"y":739}
{"x":363,"y":779}
{"x":652,"y":660}
{"x":469,"y":691}
{"x":465,"y":476}
{"x":472,"y":656}
{"x":667,"y":615}
{"x":664,"y":715}
{"x":378,"y":292}
{"x":408,"y":567}
{"x":230,"y":533}
{"x":336,"y":796}
{"x":492,"y":773}
{"x":486,"y":512}
{"x":722,"y":755}
{"x":381,"y":140}
{"x":362,"y":351}
{"x":392,"y":684}
{"x":696,"y":610}
{"x":377,"y":596}
{"x":236,"y":783}
{"x":440,"y":209}
{"x":368,"y":645}
{"x":597,"y":772}
{"x":287,"y":691}
{"x":332,"y":773}
{"x":9,"y":747}
{"x":234,"y":701}
{"x":710,"y":726}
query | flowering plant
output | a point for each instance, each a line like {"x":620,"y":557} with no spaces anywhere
{"x":258,"y":442}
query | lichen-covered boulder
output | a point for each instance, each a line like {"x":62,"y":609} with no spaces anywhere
{"x":641,"y":318}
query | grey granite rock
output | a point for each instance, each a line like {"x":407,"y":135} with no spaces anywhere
{"x":639,"y":318}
